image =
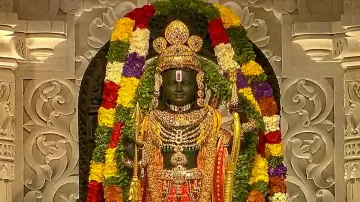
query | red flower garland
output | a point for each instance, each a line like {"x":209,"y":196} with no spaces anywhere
{"x":261,"y":145}
{"x":273,"y":137}
{"x":116,"y":134}
{"x":109,"y":95}
{"x":141,"y":16}
{"x":95,"y":192}
{"x":217,"y":32}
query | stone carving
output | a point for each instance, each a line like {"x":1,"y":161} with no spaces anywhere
{"x":100,"y":30}
{"x":309,"y":138}
{"x":6,"y":3}
{"x":7,"y":151}
{"x":51,"y":141}
{"x":352,"y":140}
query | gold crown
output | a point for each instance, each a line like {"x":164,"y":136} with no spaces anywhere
{"x":177,"y":55}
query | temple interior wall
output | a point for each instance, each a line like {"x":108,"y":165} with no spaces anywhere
{"x":46,"y":45}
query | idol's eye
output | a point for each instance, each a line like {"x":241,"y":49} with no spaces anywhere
{"x":185,"y":83}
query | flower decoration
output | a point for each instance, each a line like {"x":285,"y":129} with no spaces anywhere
{"x":278,"y":197}
{"x":217,"y":33}
{"x":133,"y":66}
{"x":106,"y":117}
{"x":272,"y":123}
{"x":228,"y":16}
{"x":109,"y":95}
{"x":126,"y":83}
{"x":125,"y":97}
{"x":252,"y":68}
{"x":113,"y":71}
{"x":96,"y":171}
{"x":273,"y":149}
{"x":255,"y":196}
{"x":123,"y":30}
{"x":273,"y":137}
{"x":139,"y":42}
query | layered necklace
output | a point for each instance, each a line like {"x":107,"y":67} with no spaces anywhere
{"x":175,"y":108}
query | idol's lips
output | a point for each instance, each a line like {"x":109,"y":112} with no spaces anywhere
{"x":179,"y":95}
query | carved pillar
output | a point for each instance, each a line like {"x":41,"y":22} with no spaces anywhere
{"x":10,"y":51}
{"x":349,"y":51}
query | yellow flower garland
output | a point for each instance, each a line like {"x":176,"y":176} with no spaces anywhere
{"x":272,"y":123}
{"x":279,"y":197}
{"x":106,"y":117}
{"x":259,"y":171}
{"x":273,"y":150}
{"x":123,"y":30}
{"x":139,"y":42}
{"x":113,"y":71}
{"x":251,"y":68}
{"x":96,"y":171}
{"x":110,"y":169}
{"x":247,"y":93}
{"x":127,"y":91}
{"x":228,"y":16}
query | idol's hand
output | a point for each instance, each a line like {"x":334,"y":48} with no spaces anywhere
{"x":241,"y":112}
{"x":129,"y":149}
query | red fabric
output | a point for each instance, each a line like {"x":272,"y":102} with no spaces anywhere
{"x":218,"y":195}
{"x":109,"y":94}
{"x":95,"y":192}
{"x":273,"y":137}
{"x":217,"y":32}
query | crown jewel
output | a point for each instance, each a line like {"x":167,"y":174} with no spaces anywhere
{"x":178,"y":55}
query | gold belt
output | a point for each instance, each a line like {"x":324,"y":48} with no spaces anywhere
{"x":180,"y":175}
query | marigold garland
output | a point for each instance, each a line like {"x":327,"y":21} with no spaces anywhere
{"x":255,"y":196}
{"x":260,"y":170}
{"x":113,"y":193}
{"x":247,"y":93}
{"x":126,"y":96}
{"x":123,"y":30}
{"x":110,"y":163}
{"x":96,"y":171}
{"x":228,"y":17}
{"x":273,"y":149}
{"x":251,"y":68}
{"x":106,"y":117}
{"x":268,"y":106}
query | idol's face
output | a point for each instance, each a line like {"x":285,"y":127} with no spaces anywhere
{"x":179,"y":86}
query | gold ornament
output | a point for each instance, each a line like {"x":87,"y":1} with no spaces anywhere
{"x":178,"y":55}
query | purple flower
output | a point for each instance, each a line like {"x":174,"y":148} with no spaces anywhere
{"x":278,"y":171}
{"x":133,"y":66}
{"x":261,"y":89}
{"x":241,"y":82}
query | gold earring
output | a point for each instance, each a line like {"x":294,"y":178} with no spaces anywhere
{"x":158,"y":82}
{"x":200,"y":94}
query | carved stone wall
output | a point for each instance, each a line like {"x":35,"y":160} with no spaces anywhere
{"x":46,"y":46}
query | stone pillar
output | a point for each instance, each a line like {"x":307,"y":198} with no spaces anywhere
{"x":11,"y":50}
{"x":347,"y":49}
